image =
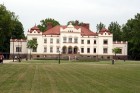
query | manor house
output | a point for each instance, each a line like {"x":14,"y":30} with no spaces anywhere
{"x":70,"y":42}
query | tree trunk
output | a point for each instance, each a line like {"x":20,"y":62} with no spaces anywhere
{"x":30,"y":54}
{"x":115,"y":56}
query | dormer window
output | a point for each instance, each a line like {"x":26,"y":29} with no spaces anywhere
{"x":70,"y":30}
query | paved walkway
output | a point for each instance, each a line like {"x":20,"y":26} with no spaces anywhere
{"x":8,"y":61}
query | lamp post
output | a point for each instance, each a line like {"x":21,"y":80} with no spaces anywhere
{"x":124,"y":52}
{"x":59,"y":56}
{"x":21,"y":50}
{"x":13,"y":50}
{"x":18,"y":52}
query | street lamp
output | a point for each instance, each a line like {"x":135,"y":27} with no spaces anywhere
{"x":124,"y":52}
{"x":18,"y":51}
{"x":59,"y":56}
{"x":13,"y":50}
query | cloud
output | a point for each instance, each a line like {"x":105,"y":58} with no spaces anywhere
{"x":90,"y":11}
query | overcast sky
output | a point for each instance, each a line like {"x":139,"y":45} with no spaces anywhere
{"x":30,"y":12}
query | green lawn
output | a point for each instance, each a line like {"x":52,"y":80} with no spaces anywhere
{"x":70,"y":77}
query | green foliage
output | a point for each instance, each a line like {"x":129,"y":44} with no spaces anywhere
{"x":116,"y":50}
{"x":131,"y":33}
{"x":32,"y":44}
{"x":43,"y":25}
{"x":10,"y":27}
{"x":100,"y":26}
{"x":115,"y":28}
{"x":76,"y":22}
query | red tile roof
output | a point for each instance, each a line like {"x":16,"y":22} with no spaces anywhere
{"x":56,"y":31}
{"x":53,"y":31}
{"x":34,"y":28}
{"x":85,"y":31}
{"x":103,"y":30}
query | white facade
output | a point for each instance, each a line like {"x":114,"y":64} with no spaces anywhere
{"x":71,"y":40}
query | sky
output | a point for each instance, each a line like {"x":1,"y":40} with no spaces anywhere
{"x":31,"y":12}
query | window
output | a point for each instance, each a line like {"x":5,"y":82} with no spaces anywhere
{"x":64,"y":39}
{"x":18,"y":49}
{"x":57,"y":49}
{"x":82,"y":41}
{"x":88,"y":50}
{"x":57,"y":41}
{"x":88,"y":41}
{"x":105,"y":42}
{"x":94,"y":41}
{"x":34,"y":49}
{"x":51,"y":40}
{"x":76,"y":40}
{"x":108,"y":57}
{"x":120,"y":51}
{"x":105,"y":50}
{"x":51,"y":49}
{"x":45,"y":49}
{"x":82,"y":50}
{"x":94,"y":50}
{"x":45,"y":40}
{"x":35,"y":39}
{"x":70,"y":40}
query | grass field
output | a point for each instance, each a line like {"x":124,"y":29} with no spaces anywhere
{"x":70,"y":77}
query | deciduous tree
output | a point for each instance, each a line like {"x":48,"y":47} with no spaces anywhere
{"x":131,"y":33}
{"x":10,"y":27}
{"x":100,"y":26}
{"x":115,"y":28}
{"x":116,"y":51}
{"x":43,"y":25}
{"x":32,"y":44}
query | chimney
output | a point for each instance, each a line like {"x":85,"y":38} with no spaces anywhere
{"x":49,"y":25}
{"x":85,"y":25}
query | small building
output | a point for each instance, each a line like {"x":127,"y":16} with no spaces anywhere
{"x":70,"y":41}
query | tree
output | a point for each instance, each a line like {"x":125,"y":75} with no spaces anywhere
{"x":100,"y":26}
{"x":17,"y":31}
{"x":115,"y":28}
{"x":32,"y":44}
{"x":76,"y":22}
{"x":10,"y":27}
{"x":131,"y":33}
{"x":116,"y":51}
{"x":43,"y":25}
